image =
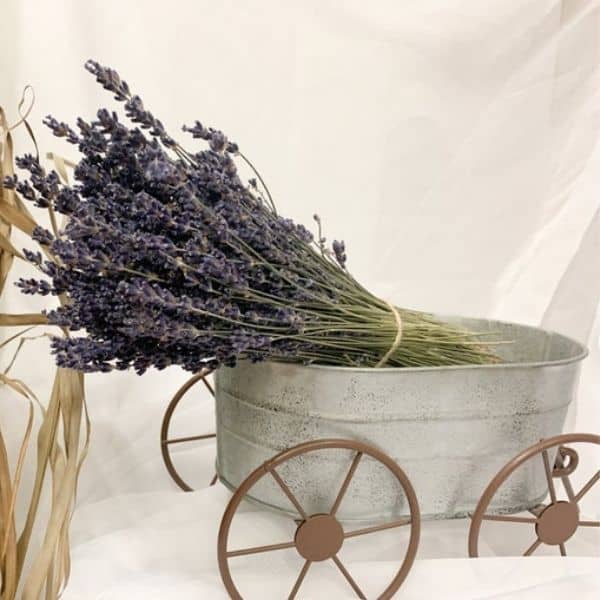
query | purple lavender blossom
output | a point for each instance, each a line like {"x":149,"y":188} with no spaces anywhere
{"x":34,"y":286}
{"x":167,"y":257}
{"x":339,"y":250}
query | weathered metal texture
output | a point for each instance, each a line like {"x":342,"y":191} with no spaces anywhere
{"x":449,"y":428}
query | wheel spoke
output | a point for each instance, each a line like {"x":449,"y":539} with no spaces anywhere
{"x":191,"y":438}
{"x":532,"y":548}
{"x":288,"y":493}
{"x":348,"y":577}
{"x":587,"y":487}
{"x":549,"y":476}
{"x":509,"y":519}
{"x":346,"y":483}
{"x":565,"y":479}
{"x":207,"y":384}
{"x":568,"y":488}
{"x":589,"y":524}
{"x":537,"y":510}
{"x":375,"y":528}
{"x":260,"y":549}
{"x":563,"y":549}
{"x":300,"y":579}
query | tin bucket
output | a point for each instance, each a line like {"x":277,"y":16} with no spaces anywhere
{"x":449,"y":428}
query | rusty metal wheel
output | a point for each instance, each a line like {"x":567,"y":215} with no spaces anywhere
{"x":319,"y":537}
{"x":557,"y":521}
{"x":166,"y":442}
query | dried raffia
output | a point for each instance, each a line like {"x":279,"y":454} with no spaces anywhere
{"x":22,"y":319}
{"x":67,"y":396}
{"x":8,"y":568}
{"x":8,"y":558}
{"x":24,"y":391}
{"x":7,"y":197}
{"x":60,"y":449}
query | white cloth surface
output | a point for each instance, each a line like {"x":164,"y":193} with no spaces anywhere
{"x":138,"y":561}
{"x":148,"y":541}
{"x":452,"y":144}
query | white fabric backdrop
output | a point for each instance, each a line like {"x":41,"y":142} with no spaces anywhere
{"x":453,"y":145}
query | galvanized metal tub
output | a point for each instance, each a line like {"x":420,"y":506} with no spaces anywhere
{"x":450,"y":428}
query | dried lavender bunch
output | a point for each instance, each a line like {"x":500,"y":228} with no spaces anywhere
{"x":168,"y":258}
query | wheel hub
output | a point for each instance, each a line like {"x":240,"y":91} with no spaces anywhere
{"x":319,"y":537}
{"x":557,"y":523}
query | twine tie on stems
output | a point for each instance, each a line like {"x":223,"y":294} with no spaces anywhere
{"x":397,"y":339}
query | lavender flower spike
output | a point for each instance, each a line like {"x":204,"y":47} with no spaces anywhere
{"x":168,"y":258}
